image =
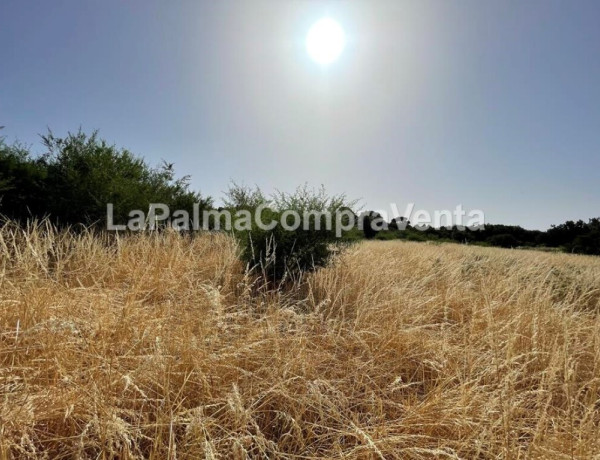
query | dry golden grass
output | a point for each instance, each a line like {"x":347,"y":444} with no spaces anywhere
{"x":158,"y":346}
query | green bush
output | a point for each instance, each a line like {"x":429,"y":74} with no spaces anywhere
{"x":387,"y":235}
{"x":280,"y":254}
{"x":416,"y":235}
{"x":77,"y":176}
{"x":22,"y":182}
{"x":587,"y":244}
{"x":504,"y":240}
{"x":372,"y":224}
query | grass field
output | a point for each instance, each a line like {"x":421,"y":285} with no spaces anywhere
{"x":159,"y":346}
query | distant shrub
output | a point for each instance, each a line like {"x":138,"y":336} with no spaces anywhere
{"x":587,"y":244}
{"x":504,"y":240}
{"x":387,"y":235}
{"x":372,"y":224}
{"x":416,"y":235}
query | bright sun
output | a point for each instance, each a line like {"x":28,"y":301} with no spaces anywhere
{"x":325,"y":41}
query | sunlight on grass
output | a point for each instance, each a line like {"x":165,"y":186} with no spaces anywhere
{"x":160,"y":346}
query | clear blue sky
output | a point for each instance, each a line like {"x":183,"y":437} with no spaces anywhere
{"x":495,"y":105}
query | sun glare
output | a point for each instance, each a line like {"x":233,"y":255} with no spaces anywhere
{"x":325,"y":41}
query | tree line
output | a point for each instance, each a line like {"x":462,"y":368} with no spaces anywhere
{"x":574,"y":237}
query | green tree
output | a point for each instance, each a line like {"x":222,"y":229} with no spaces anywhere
{"x":22,"y":183}
{"x":85,"y":174}
{"x":79,"y":175}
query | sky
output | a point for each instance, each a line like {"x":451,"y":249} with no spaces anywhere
{"x":493,"y":105}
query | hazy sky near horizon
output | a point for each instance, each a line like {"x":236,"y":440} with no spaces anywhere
{"x":494,"y":105}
